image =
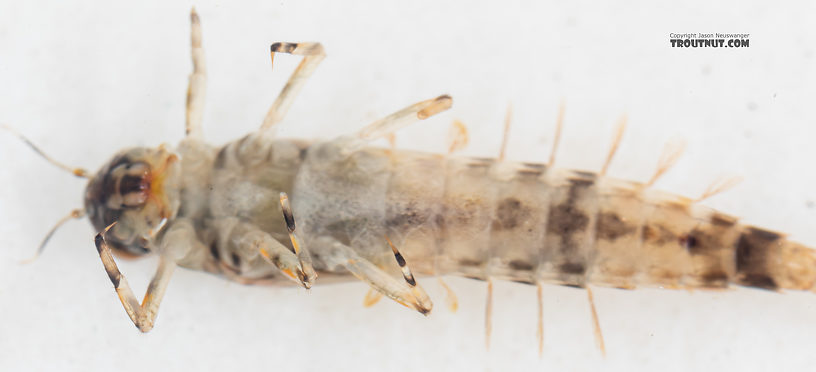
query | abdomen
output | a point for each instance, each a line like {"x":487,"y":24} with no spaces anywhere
{"x":523,"y":222}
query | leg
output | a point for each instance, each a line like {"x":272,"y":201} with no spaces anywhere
{"x":312,"y":54}
{"x":418,"y":111}
{"x":301,"y":252}
{"x":248,"y":241}
{"x":405,"y":292}
{"x":177,"y":241}
{"x":197,"y":85}
{"x":459,"y":139}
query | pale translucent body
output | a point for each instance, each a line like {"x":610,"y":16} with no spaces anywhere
{"x":451,"y":215}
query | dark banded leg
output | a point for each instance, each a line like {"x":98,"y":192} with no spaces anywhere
{"x":178,"y":239}
{"x":246,"y":241}
{"x":391,"y":123}
{"x":406,"y":292}
{"x":406,"y":271}
{"x":312,"y":54}
{"x":197,"y":86}
{"x":305,"y":260}
{"x":372,"y":297}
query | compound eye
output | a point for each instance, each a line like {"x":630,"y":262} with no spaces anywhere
{"x":134,"y":185}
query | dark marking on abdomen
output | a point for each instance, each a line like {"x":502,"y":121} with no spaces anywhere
{"x":480,"y":163}
{"x":722,"y":220}
{"x":715,"y":279}
{"x":510,"y":213}
{"x":702,"y":242}
{"x":409,"y":216}
{"x":532,"y":170}
{"x":520,"y":265}
{"x":471,"y":262}
{"x":572,"y":268}
{"x":611,"y":227}
{"x":754,"y":255}
{"x":567,"y":220}
{"x":657,"y":234}
{"x":692,"y":242}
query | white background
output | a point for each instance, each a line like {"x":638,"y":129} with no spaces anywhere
{"x":85,"y":79}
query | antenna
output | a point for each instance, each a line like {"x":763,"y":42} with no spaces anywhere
{"x":79,"y":172}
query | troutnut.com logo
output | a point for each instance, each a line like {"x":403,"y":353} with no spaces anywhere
{"x":715,"y":40}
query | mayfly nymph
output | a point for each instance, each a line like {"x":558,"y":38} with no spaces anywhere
{"x":270,"y":210}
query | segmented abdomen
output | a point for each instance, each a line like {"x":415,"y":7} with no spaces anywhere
{"x":523,"y":222}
